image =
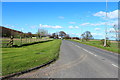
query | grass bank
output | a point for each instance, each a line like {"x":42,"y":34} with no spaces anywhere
{"x":23,"y":58}
{"x":96,"y":43}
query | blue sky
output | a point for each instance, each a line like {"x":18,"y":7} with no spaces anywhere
{"x":58,"y":0}
{"x":72,"y":17}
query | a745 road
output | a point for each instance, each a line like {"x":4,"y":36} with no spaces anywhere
{"x":79,"y":61}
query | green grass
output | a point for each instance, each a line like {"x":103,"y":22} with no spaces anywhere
{"x":19,"y":59}
{"x":114,"y":46}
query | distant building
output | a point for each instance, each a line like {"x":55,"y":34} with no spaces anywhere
{"x":7,"y":32}
{"x":60,"y":37}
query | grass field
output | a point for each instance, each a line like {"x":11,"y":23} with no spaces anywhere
{"x":96,"y":43}
{"x":23,"y":58}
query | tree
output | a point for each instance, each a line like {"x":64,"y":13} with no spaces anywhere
{"x":77,"y":38}
{"x":107,"y":42}
{"x":87,"y":35}
{"x":29,"y":34}
{"x":55,"y":35}
{"x":67,"y":36}
{"x":62,"y":34}
{"x":42,"y":33}
{"x":116,"y":32}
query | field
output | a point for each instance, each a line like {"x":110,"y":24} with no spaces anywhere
{"x":96,"y":43}
{"x":23,"y":58}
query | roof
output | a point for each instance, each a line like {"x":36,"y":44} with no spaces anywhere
{"x":10,"y":29}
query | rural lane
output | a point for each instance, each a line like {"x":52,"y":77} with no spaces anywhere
{"x":79,"y":61}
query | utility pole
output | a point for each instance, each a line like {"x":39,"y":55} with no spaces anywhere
{"x":105,"y":41}
{"x":81,"y":35}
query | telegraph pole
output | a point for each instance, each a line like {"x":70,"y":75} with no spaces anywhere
{"x":81,"y":35}
{"x":105,"y":41}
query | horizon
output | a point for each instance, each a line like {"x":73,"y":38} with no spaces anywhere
{"x":72,"y":17}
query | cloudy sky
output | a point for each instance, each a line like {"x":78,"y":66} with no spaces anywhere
{"x":72,"y":17}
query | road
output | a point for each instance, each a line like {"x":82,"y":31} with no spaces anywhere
{"x":79,"y":61}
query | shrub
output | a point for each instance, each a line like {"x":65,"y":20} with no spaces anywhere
{"x":107,"y":42}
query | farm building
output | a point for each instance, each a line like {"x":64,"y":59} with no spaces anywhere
{"x":7,"y":32}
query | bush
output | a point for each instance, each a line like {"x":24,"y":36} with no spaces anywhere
{"x":107,"y":44}
{"x":77,"y":38}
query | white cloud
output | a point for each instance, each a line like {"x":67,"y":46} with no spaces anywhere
{"x":92,"y":24}
{"x":7,"y":25}
{"x":72,"y":22}
{"x":109,"y":23}
{"x":84,"y":24}
{"x":73,"y":27}
{"x":22,"y":29}
{"x":33,"y":27}
{"x":110,"y":15}
{"x":76,"y":27}
{"x":97,"y":29}
{"x":73,"y":33}
{"x":56,"y":27}
{"x":49,"y":26}
{"x":96,"y":34}
{"x":61,"y":17}
{"x":76,"y":34}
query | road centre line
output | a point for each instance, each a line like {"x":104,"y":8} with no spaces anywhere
{"x":115,"y":65}
{"x":89,"y":52}
{"x":78,"y":46}
{"x":85,"y":50}
{"x":95,"y":55}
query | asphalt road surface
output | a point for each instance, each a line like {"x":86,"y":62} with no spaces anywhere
{"x":79,"y":61}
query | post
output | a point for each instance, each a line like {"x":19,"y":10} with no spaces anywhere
{"x":20,"y":40}
{"x":81,"y":35}
{"x":105,"y":40}
{"x":26,"y":38}
{"x":11,"y":41}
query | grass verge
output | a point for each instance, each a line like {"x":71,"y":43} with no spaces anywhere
{"x":113,"y":48}
{"x":23,"y":58}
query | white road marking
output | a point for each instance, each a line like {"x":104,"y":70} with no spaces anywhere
{"x":90,"y":52}
{"x":115,"y":65}
{"x":93,"y":54}
{"x":72,"y":43}
{"x":79,"y":46}
{"x":85,"y":50}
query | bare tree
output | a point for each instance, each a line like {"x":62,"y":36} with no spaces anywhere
{"x":42,"y":33}
{"x":116,"y":32}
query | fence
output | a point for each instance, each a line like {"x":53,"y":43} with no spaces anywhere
{"x":5,"y":42}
